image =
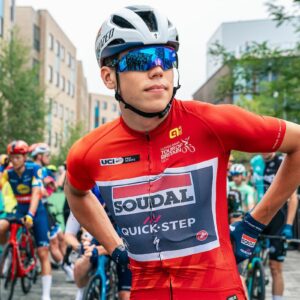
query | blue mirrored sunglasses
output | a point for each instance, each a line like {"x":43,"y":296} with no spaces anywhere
{"x":144,"y":59}
{"x":235,"y":173}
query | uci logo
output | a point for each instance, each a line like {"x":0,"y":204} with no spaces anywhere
{"x":111,"y":161}
{"x":175,"y":132}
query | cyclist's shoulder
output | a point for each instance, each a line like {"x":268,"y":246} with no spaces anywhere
{"x":193,"y":106}
{"x":247,"y":188}
{"x":95,"y":137}
{"x":208,"y":112}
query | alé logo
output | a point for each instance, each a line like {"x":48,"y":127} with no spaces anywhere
{"x":175,"y":132}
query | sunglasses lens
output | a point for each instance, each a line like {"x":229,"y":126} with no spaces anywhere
{"x":145,"y":59}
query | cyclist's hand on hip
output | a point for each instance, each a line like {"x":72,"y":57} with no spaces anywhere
{"x":120,"y":256}
{"x":244,"y":236}
{"x":28,"y":220}
{"x":287,"y":231}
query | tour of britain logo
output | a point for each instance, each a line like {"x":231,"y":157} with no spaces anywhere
{"x":182,"y":146}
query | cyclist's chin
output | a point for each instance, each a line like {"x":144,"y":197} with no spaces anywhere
{"x":154,"y":105}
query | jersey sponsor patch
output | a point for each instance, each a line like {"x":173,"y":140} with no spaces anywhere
{"x":175,"y":132}
{"x":248,"y":240}
{"x":182,"y":146}
{"x":119,"y":160}
{"x":166,"y":192}
{"x":152,"y":212}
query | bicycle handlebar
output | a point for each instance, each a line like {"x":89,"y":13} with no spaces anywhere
{"x":15,"y":221}
{"x":279,"y":237}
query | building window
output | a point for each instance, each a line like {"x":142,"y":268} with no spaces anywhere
{"x":1,"y":26}
{"x":72,"y":63}
{"x":36,"y":37}
{"x":50,"y":41}
{"x":12,"y":10}
{"x":72,"y":90}
{"x":55,"y":108}
{"x":69,"y":87}
{"x":103,"y":120}
{"x":57,"y":48}
{"x":35,"y":62}
{"x":104,"y":105}
{"x":69,"y":59}
{"x":62,"y":53}
{"x":96,"y":114}
{"x":63,"y":83}
{"x":50,"y":74}
{"x":114,"y":107}
{"x":57,"y":79}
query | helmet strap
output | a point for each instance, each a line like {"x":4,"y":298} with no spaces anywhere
{"x":159,"y":114}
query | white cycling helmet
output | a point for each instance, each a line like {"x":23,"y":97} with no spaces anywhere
{"x":134,"y":26}
{"x":39,"y":148}
{"x":237,"y":169}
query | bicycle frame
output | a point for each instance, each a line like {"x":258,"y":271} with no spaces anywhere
{"x":17,"y":264}
{"x":257,"y":257}
{"x":101,"y":271}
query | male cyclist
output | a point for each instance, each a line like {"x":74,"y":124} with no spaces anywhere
{"x":25,"y":180}
{"x":281,"y":224}
{"x":40,"y":153}
{"x":238,"y":173}
{"x":161,"y":169}
{"x":89,"y":259}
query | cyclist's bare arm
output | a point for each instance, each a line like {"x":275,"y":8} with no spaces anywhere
{"x":286,"y":180}
{"x":71,"y":240}
{"x":292,"y":208}
{"x":92,"y":216}
{"x":35,"y":199}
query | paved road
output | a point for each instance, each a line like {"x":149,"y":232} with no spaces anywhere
{"x":62,"y":290}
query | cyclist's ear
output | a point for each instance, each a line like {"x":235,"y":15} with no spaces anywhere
{"x":108,"y":76}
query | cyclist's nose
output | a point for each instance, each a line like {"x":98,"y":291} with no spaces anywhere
{"x":156,"y":71}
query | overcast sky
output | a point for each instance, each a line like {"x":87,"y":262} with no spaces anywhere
{"x":196,"y":21}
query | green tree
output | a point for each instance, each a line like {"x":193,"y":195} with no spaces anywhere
{"x":75,"y":133}
{"x":22,"y":108}
{"x":262,"y":80}
{"x":284,"y":13}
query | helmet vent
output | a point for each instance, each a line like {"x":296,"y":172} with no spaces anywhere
{"x":149,"y":18}
{"x":121,"y":22}
{"x":116,"y":42}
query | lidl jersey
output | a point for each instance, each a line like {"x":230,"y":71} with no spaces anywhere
{"x":22,"y":185}
{"x":166,"y":190}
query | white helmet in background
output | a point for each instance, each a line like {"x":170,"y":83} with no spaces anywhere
{"x":131,"y":27}
{"x":237,"y":169}
{"x":39,"y":148}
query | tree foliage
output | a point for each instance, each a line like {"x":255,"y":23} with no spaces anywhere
{"x":282,"y":14}
{"x":75,"y":133}
{"x":262,"y":79}
{"x":22,"y":108}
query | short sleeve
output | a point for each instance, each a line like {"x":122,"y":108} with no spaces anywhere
{"x":4,"y":178}
{"x":37,"y":180}
{"x":77,"y":171}
{"x":242,"y":130}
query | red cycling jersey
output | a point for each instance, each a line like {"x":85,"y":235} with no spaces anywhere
{"x":166,"y":190}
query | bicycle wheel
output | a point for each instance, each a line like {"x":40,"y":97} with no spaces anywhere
{"x":28,"y":280}
{"x":112,"y":282}
{"x":93,"y":289}
{"x":7,"y":275}
{"x":257,"y":291}
{"x":26,"y":250}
